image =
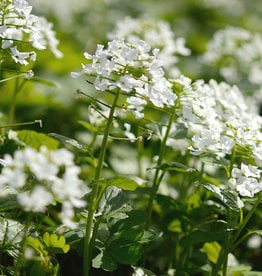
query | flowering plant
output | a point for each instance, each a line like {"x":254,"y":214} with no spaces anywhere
{"x":160,"y":174}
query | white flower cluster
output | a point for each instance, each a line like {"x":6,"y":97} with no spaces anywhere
{"x":156,"y":33}
{"x":19,"y":26}
{"x":40,"y":179}
{"x":246,"y":180}
{"x":218,"y":119}
{"x":238,"y":54}
{"x":131,"y":68}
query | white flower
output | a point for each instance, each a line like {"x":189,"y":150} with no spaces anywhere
{"x":237,"y":53}
{"x":15,"y":177}
{"x":62,"y":157}
{"x":12,"y":135}
{"x":249,"y":187}
{"x":20,"y":26}
{"x":128,"y":133}
{"x":132,"y":68}
{"x":212,"y":122}
{"x":254,"y":242}
{"x":246,"y":180}
{"x":36,"y":200}
{"x":156,"y":33}
{"x":21,"y":57}
{"x":52,"y":176}
{"x":246,"y":171}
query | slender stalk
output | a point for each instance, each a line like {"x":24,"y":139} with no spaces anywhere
{"x":95,"y":189}
{"x":157,"y":179}
{"x":23,"y":124}
{"x":244,"y":222}
{"x":234,"y":241}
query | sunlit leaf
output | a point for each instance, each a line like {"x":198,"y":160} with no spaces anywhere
{"x":113,"y":204}
{"x":148,"y":236}
{"x":69,"y":141}
{"x":56,"y":244}
{"x":227,"y":197}
{"x":36,"y":244}
{"x":36,"y":140}
{"x":105,"y":261}
{"x":74,"y":235}
{"x":175,"y":226}
{"x":212,"y":250}
{"x":125,"y":183}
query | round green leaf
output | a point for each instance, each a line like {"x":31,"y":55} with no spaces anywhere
{"x":125,"y":252}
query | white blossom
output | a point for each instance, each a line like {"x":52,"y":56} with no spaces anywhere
{"x":237,"y":53}
{"x":217,"y":118}
{"x":132,"y":68}
{"x":36,"y":200}
{"x":20,"y":26}
{"x":156,"y":33}
{"x":52,"y":176}
{"x":246,"y":180}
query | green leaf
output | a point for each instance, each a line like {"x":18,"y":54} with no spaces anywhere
{"x":148,"y":236}
{"x":194,"y":201}
{"x":125,"y":183}
{"x":89,"y":126}
{"x":55,"y":243}
{"x":37,"y":269}
{"x":36,"y":244}
{"x":72,"y":142}
{"x":36,"y":139}
{"x":135,"y":217}
{"x":131,"y":234}
{"x":113,"y":204}
{"x":125,"y":251}
{"x":126,"y":248}
{"x":212,"y":250}
{"x":74,"y":235}
{"x":227,"y":197}
{"x":167,"y":202}
{"x":175,"y":226}
{"x":8,"y":202}
{"x":199,"y":236}
{"x":105,"y":261}
{"x":11,"y":231}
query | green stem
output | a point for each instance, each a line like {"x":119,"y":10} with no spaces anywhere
{"x":234,"y":241}
{"x":157,"y":179}
{"x":23,"y":124}
{"x":95,"y":189}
